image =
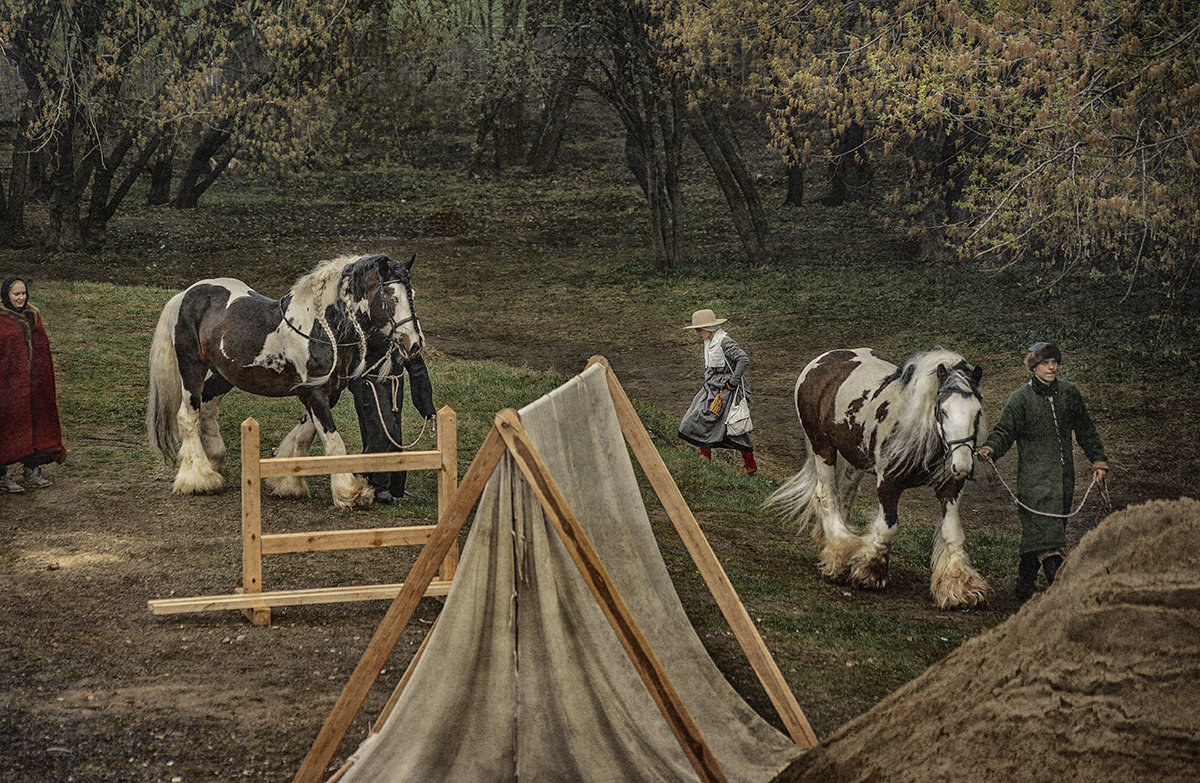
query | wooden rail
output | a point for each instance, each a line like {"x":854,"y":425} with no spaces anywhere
{"x":256,"y":603}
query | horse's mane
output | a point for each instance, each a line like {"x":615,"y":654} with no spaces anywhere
{"x":321,"y":287}
{"x":915,"y":442}
{"x":314,"y":293}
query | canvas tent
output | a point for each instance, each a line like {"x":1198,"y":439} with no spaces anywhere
{"x":523,"y":677}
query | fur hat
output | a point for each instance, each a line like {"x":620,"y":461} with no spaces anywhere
{"x":1040,"y":352}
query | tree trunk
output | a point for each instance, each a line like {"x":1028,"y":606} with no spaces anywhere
{"x":12,"y":213}
{"x":795,"y":185}
{"x":162,"y":171}
{"x":552,"y":125}
{"x":928,"y":151}
{"x":850,"y":171}
{"x":200,"y":174}
{"x":712,"y":133}
{"x":509,"y":130}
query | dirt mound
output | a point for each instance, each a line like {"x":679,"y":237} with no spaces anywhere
{"x":1097,"y":679}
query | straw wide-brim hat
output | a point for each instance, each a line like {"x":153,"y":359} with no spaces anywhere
{"x":705,"y":319}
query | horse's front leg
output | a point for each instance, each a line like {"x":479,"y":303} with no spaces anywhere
{"x":869,"y":568}
{"x":953,"y":582}
{"x":296,"y":443}
{"x":349,"y":490}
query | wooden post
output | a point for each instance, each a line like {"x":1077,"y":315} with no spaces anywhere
{"x":595,"y":575}
{"x":453,"y":517}
{"x":447,"y":477}
{"x":706,"y":562}
{"x":252,"y":522}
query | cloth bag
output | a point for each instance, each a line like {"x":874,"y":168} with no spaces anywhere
{"x":738,"y":421}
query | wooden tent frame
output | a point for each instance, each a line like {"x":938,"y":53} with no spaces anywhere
{"x":508,"y":436}
{"x":250,"y":597}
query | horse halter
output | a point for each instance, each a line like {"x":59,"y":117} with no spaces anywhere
{"x":386,"y":301}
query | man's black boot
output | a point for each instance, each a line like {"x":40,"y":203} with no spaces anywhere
{"x":1027,"y":570}
{"x":1050,"y":565}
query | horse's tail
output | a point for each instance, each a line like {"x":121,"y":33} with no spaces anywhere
{"x":794,"y":498}
{"x":166,"y":388}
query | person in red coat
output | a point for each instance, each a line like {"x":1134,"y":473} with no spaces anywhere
{"x":30,"y":432}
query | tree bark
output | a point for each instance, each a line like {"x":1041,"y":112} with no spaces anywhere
{"x":162,"y":173}
{"x":794,"y":197}
{"x":64,"y":229}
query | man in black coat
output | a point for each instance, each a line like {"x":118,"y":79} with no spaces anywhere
{"x":377,"y":401}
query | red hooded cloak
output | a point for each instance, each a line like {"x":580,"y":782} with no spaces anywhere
{"x":29,"y":428}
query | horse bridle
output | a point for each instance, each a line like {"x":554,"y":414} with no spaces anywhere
{"x":387,"y":306}
{"x":969,"y":441}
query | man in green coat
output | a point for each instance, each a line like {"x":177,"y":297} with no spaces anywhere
{"x":1040,"y":417}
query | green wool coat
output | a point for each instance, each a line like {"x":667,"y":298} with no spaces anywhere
{"x":1041,"y":427}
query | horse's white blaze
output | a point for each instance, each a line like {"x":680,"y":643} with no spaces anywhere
{"x":410,"y":330}
{"x":959,"y":414}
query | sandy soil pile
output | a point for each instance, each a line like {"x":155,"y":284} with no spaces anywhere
{"x":1097,"y":679}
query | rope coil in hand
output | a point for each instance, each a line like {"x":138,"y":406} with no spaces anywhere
{"x":425,"y":425}
{"x":1079,"y":508}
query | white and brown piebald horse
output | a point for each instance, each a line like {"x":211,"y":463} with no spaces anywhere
{"x":913,"y":425}
{"x":338,"y":322}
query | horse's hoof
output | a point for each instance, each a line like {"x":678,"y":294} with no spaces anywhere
{"x":208,"y":484}
{"x":869,"y":578}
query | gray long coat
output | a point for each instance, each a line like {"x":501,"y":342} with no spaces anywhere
{"x":699,"y":426}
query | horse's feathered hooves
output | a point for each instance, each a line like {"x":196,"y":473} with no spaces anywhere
{"x":351,"y":491}
{"x":959,"y":588}
{"x":198,"y":482}
{"x":869,"y":573}
{"x":288,"y":487}
{"x":837,"y":557}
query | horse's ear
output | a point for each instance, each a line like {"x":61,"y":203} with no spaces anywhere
{"x":976,"y":374}
{"x":409,"y":264}
{"x":942,"y":374}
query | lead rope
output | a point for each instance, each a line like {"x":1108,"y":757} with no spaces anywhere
{"x":395,"y":379}
{"x":1103,"y":492}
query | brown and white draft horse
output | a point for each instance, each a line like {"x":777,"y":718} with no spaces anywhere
{"x":913,"y":425}
{"x":340,"y":321}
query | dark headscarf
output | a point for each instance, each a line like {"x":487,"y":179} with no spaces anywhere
{"x":7,"y":284}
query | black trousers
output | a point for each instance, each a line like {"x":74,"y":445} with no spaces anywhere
{"x":377,"y":403}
